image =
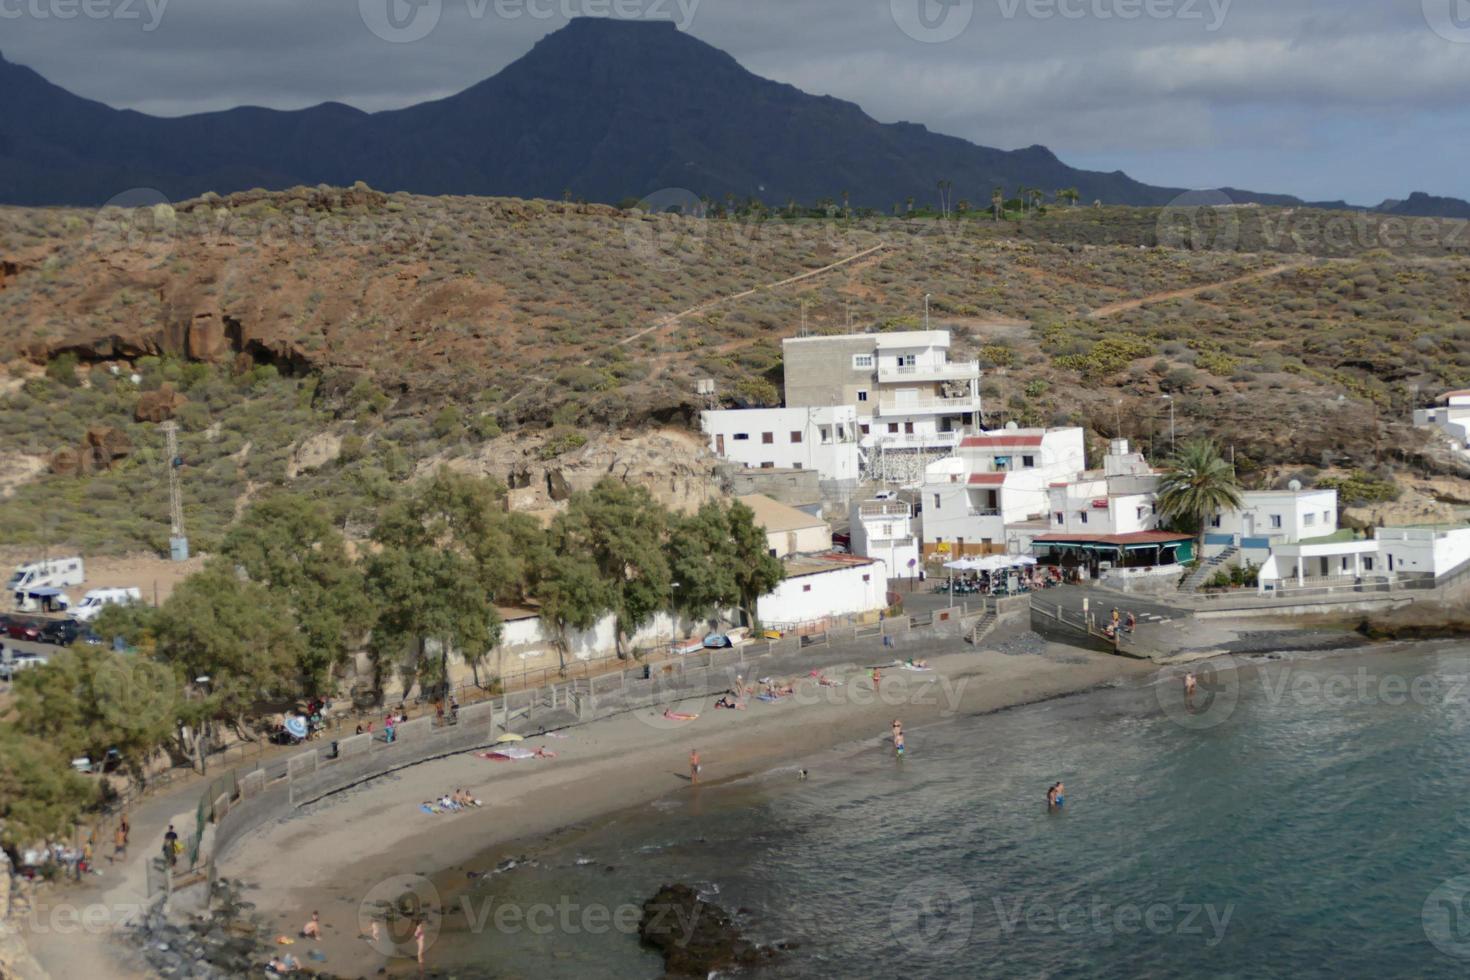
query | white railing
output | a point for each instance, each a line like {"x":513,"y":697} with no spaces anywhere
{"x":956,"y":370}
{"x":889,"y":404}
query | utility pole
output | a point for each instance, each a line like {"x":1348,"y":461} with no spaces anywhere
{"x":1173,"y":443}
{"x":926,"y":310}
{"x":178,"y":542}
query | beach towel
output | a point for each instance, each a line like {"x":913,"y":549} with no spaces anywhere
{"x":511,"y":753}
{"x":918,"y":670}
{"x":680,"y":716}
{"x":768,"y":697}
{"x":427,"y":809}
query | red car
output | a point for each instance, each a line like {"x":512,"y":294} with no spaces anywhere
{"x":24,"y":629}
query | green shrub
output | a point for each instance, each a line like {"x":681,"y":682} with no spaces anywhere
{"x":63,"y":370}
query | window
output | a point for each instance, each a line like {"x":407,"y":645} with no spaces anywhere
{"x":1061,"y":518}
{"x":1276,"y":520}
{"x":768,"y":466}
{"x":796,"y":466}
{"x":742,"y":436}
{"x":867,"y":578}
{"x":1142,"y":513}
{"x":1028,"y":462}
{"x":795,"y":437}
{"x":862,"y":394}
{"x":773,"y":552}
{"x":907,"y":360}
{"x":806,"y":588}
{"x":908,"y":427}
{"x":1082,"y":516}
{"x":1309,"y":520}
{"x":892,"y":426}
{"x":936,"y":501}
{"x":861,"y":361}
{"x":1327,"y":518}
{"x":1367,"y":563}
{"x":863,"y":428}
{"x":768,"y":438}
{"x":1215,"y":521}
{"x":887,"y":531}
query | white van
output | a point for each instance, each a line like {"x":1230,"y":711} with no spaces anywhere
{"x":53,"y":572}
{"x":97,"y":599}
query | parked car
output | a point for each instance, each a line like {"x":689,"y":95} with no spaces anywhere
{"x":109,"y":762}
{"x":15,"y":661}
{"x":20,"y":628}
{"x":62,"y":632}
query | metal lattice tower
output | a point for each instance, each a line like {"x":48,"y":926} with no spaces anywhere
{"x":177,"y":540}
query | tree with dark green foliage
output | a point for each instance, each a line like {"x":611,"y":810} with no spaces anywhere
{"x":238,"y":633}
{"x":620,"y":530}
{"x":41,"y":798}
{"x":447,"y":555}
{"x":89,"y":700}
{"x":288,"y":544}
{"x":574,"y":596}
{"x":702,"y":562}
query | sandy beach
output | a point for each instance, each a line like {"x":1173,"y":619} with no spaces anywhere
{"x":342,"y":847}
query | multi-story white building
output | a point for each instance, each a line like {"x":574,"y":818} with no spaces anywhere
{"x":912,"y":405}
{"x":1268,"y":519}
{"x":995,"y":480}
{"x":1118,"y":499}
{"x":824,"y":439}
{"x":883,"y":528}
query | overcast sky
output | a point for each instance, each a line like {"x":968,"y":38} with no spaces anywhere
{"x":1352,"y":99}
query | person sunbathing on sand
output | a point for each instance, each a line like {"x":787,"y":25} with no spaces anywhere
{"x":313,"y":927}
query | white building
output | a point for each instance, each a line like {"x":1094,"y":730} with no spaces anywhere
{"x":789,"y":531}
{"x":1117,"y":499}
{"x":822,"y":439}
{"x":993,"y":481}
{"x":820,"y":589}
{"x":1393,"y":554}
{"x":910,"y":405}
{"x":1268,"y":519}
{"x":1451,"y":417}
{"x":884,"y":528}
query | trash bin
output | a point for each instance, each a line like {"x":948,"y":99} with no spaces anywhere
{"x":648,"y":672}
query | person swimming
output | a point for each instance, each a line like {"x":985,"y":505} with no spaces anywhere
{"x":1055,"y":796}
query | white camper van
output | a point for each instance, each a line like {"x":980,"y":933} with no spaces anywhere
{"x":51,"y":573}
{"x":96,"y":599}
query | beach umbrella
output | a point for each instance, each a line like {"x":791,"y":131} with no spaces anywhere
{"x":509,"y":737}
{"x":296,"y":726}
{"x":1023,"y":560}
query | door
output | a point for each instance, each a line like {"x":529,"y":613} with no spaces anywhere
{"x":720,"y":444}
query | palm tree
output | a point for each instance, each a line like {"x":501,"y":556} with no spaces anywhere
{"x":1036,"y":195}
{"x":1197,"y":484}
{"x":1070,"y":195}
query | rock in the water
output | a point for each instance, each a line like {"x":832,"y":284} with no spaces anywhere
{"x":695,"y":937}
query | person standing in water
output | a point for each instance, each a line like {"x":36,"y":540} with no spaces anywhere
{"x":897,"y":729}
{"x":898,"y":743}
{"x":1190,"y":683}
{"x":694,"y":765}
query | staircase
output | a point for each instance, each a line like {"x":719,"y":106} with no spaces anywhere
{"x":1208,"y":568}
{"x":982,"y":627}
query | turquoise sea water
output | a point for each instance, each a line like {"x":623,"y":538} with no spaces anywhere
{"x":1310,"y":818}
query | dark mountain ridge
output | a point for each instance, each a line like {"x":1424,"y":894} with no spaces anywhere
{"x":602,"y":108}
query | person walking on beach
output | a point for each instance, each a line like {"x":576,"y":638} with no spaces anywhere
{"x":694,"y":765}
{"x":418,"y":939}
{"x":119,"y":844}
{"x":877,"y":677}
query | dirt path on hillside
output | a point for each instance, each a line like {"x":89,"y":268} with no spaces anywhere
{"x":1123,"y":306}
{"x":666,"y":325}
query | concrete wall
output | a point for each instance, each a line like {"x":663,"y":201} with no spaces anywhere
{"x":844,"y":591}
{"x":792,"y":487}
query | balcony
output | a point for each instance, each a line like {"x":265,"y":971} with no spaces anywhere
{"x":956,"y":371}
{"x":884,"y":508}
{"x":891,"y":404}
{"x":910,"y":440}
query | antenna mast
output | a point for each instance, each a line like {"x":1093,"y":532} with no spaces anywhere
{"x":178,"y":542}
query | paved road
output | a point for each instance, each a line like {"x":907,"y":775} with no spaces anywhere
{"x":1148,"y":610}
